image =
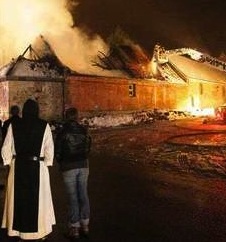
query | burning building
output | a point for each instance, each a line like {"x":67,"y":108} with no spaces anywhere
{"x":181,"y":79}
{"x":123,"y":77}
{"x":40,"y":77}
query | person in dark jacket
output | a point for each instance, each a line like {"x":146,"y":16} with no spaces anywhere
{"x":14,"y":116}
{"x":71,"y":152}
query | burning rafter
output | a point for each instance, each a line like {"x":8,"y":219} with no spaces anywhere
{"x":129,"y":59}
{"x":40,"y":56}
{"x":124,"y":55}
{"x":47,"y":54}
{"x":32,"y":53}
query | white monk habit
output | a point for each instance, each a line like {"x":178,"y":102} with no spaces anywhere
{"x":46,"y":216}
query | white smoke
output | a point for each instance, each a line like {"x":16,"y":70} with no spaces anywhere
{"x":22,"y":21}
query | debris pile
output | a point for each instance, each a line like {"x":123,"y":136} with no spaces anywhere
{"x":140,"y":117}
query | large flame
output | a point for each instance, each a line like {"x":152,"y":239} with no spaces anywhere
{"x":22,"y":21}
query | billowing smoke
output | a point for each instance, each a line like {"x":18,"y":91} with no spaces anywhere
{"x":22,"y":21}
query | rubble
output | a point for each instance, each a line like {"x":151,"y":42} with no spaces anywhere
{"x":103,"y":120}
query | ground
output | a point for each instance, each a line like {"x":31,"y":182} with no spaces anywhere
{"x":142,"y":190}
{"x":149,"y":194}
{"x":177,"y":145}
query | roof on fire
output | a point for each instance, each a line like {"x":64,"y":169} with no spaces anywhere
{"x":46,"y":66}
{"x":197,"y":70}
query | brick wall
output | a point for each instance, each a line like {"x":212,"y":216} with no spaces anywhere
{"x":112,"y":94}
{"x":90,"y":93}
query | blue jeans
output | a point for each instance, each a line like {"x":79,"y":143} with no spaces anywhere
{"x":76,"y":182}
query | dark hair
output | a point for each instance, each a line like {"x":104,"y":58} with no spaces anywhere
{"x":71,"y":114}
{"x":30,"y":109}
{"x":14,"y":110}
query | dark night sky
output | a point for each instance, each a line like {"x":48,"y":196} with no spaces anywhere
{"x":173,"y":23}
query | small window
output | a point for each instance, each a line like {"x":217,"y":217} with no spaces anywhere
{"x":223,"y":91}
{"x":201,"y":88}
{"x":192,"y":102}
{"x":132,"y":90}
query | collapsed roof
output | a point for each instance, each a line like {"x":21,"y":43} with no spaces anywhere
{"x":186,"y":64}
{"x":41,"y":64}
{"x":177,"y":66}
{"x":131,"y":60}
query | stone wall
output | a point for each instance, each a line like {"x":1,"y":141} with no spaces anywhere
{"x":49,"y":95}
{"x":4,"y":100}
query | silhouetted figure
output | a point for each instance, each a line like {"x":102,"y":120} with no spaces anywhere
{"x":2,"y":186}
{"x":72,"y":148}
{"x":1,"y":140}
{"x":14,"y":116}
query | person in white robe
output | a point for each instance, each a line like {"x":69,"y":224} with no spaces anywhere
{"x":16,"y":218}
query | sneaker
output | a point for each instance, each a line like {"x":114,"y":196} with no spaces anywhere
{"x":73,"y":232}
{"x":85,"y":230}
{"x":44,"y":239}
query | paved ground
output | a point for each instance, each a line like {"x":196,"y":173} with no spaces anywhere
{"x":134,"y":201}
